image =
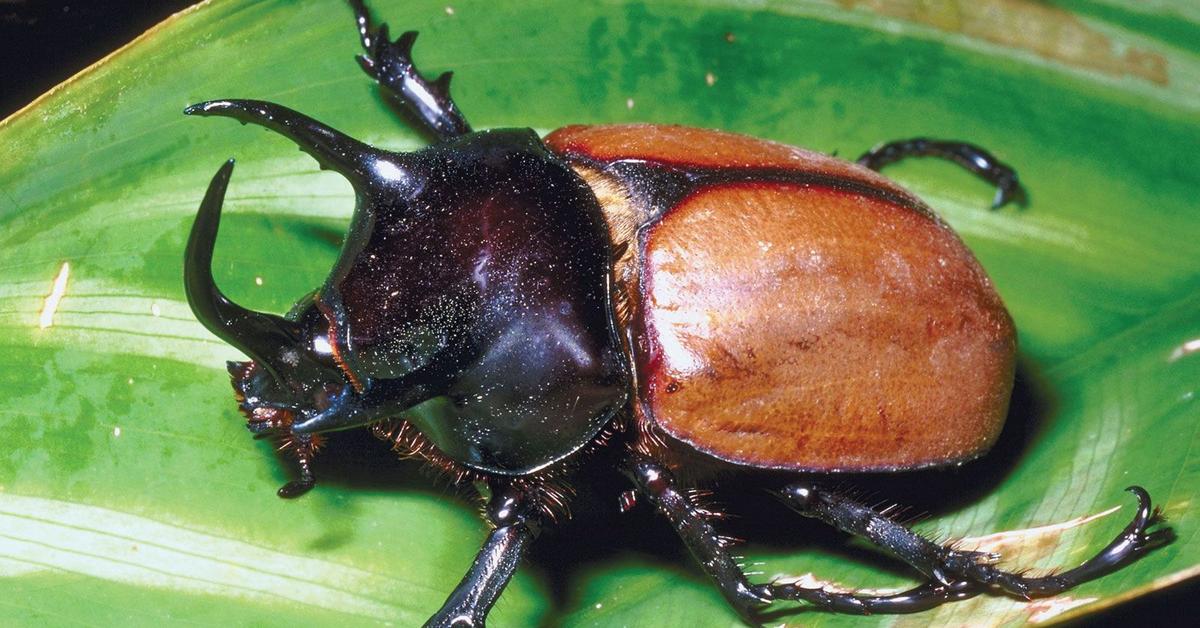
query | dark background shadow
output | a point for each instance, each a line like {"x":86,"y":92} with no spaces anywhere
{"x":44,"y":42}
{"x":597,"y":532}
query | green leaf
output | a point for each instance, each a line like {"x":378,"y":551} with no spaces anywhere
{"x":131,"y":493}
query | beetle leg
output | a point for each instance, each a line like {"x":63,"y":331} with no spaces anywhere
{"x":1133,"y":541}
{"x":332,"y":149}
{"x":949,"y":567}
{"x":656,"y":483}
{"x":511,"y":512}
{"x":915,"y":600}
{"x":390,"y":64}
{"x":304,"y":447}
{"x":969,"y":156}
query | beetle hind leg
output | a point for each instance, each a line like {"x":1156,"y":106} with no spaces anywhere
{"x":390,"y":63}
{"x":1134,"y":541}
{"x":915,"y":600}
{"x":957,"y":574}
{"x":969,"y":156}
{"x":657,"y":484}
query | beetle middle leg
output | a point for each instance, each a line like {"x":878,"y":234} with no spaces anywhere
{"x":954,"y":573}
{"x":969,"y":156}
{"x":512,"y":510}
{"x":655,"y":482}
{"x":390,"y":64}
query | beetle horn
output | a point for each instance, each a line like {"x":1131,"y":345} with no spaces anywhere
{"x":332,"y":149}
{"x":259,"y":335}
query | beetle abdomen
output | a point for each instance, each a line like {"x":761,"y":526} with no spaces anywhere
{"x":794,"y":311}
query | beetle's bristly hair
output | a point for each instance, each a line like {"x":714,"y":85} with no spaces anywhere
{"x":711,"y":514}
{"x":980,"y":558}
{"x":858,"y":495}
{"x":648,"y":441}
{"x":288,"y":443}
{"x":936,"y":537}
{"x":703,"y":505}
{"x":727,"y":542}
{"x":409,"y":443}
{"x":549,"y":487}
{"x":554,"y":499}
{"x":298,"y":449}
{"x":909,"y":520}
{"x":896,"y":513}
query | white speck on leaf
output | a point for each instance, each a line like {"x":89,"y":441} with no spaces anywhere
{"x":57,"y":291}
{"x":1187,"y":348}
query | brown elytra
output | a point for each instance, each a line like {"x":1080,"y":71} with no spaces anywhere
{"x":788,"y":310}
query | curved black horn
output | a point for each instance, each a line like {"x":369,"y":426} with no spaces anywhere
{"x":263,"y":337}
{"x":333,"y":150}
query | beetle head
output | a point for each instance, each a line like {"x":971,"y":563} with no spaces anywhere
{"x":291,"y":366}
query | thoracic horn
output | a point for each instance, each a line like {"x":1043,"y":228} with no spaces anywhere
{"x":264,"y":337}
{"x":332,"y":149}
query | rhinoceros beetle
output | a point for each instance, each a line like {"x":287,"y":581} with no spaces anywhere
{"x":695,"y":299}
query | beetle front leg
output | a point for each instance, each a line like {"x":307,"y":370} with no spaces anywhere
{"x":969,"y":156}
{"x":304,"y":448}
{"x":966,"y":571}
{"x":390,"y":64}
{"x":511,"y":511}
{"x":655,"y":482}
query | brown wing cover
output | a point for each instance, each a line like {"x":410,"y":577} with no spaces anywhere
{"x":799,"y":325}
{"x":682,"y":146}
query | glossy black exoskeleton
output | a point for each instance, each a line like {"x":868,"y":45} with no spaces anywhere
{"x":479,"y":272}
{"x":508,"y":317}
